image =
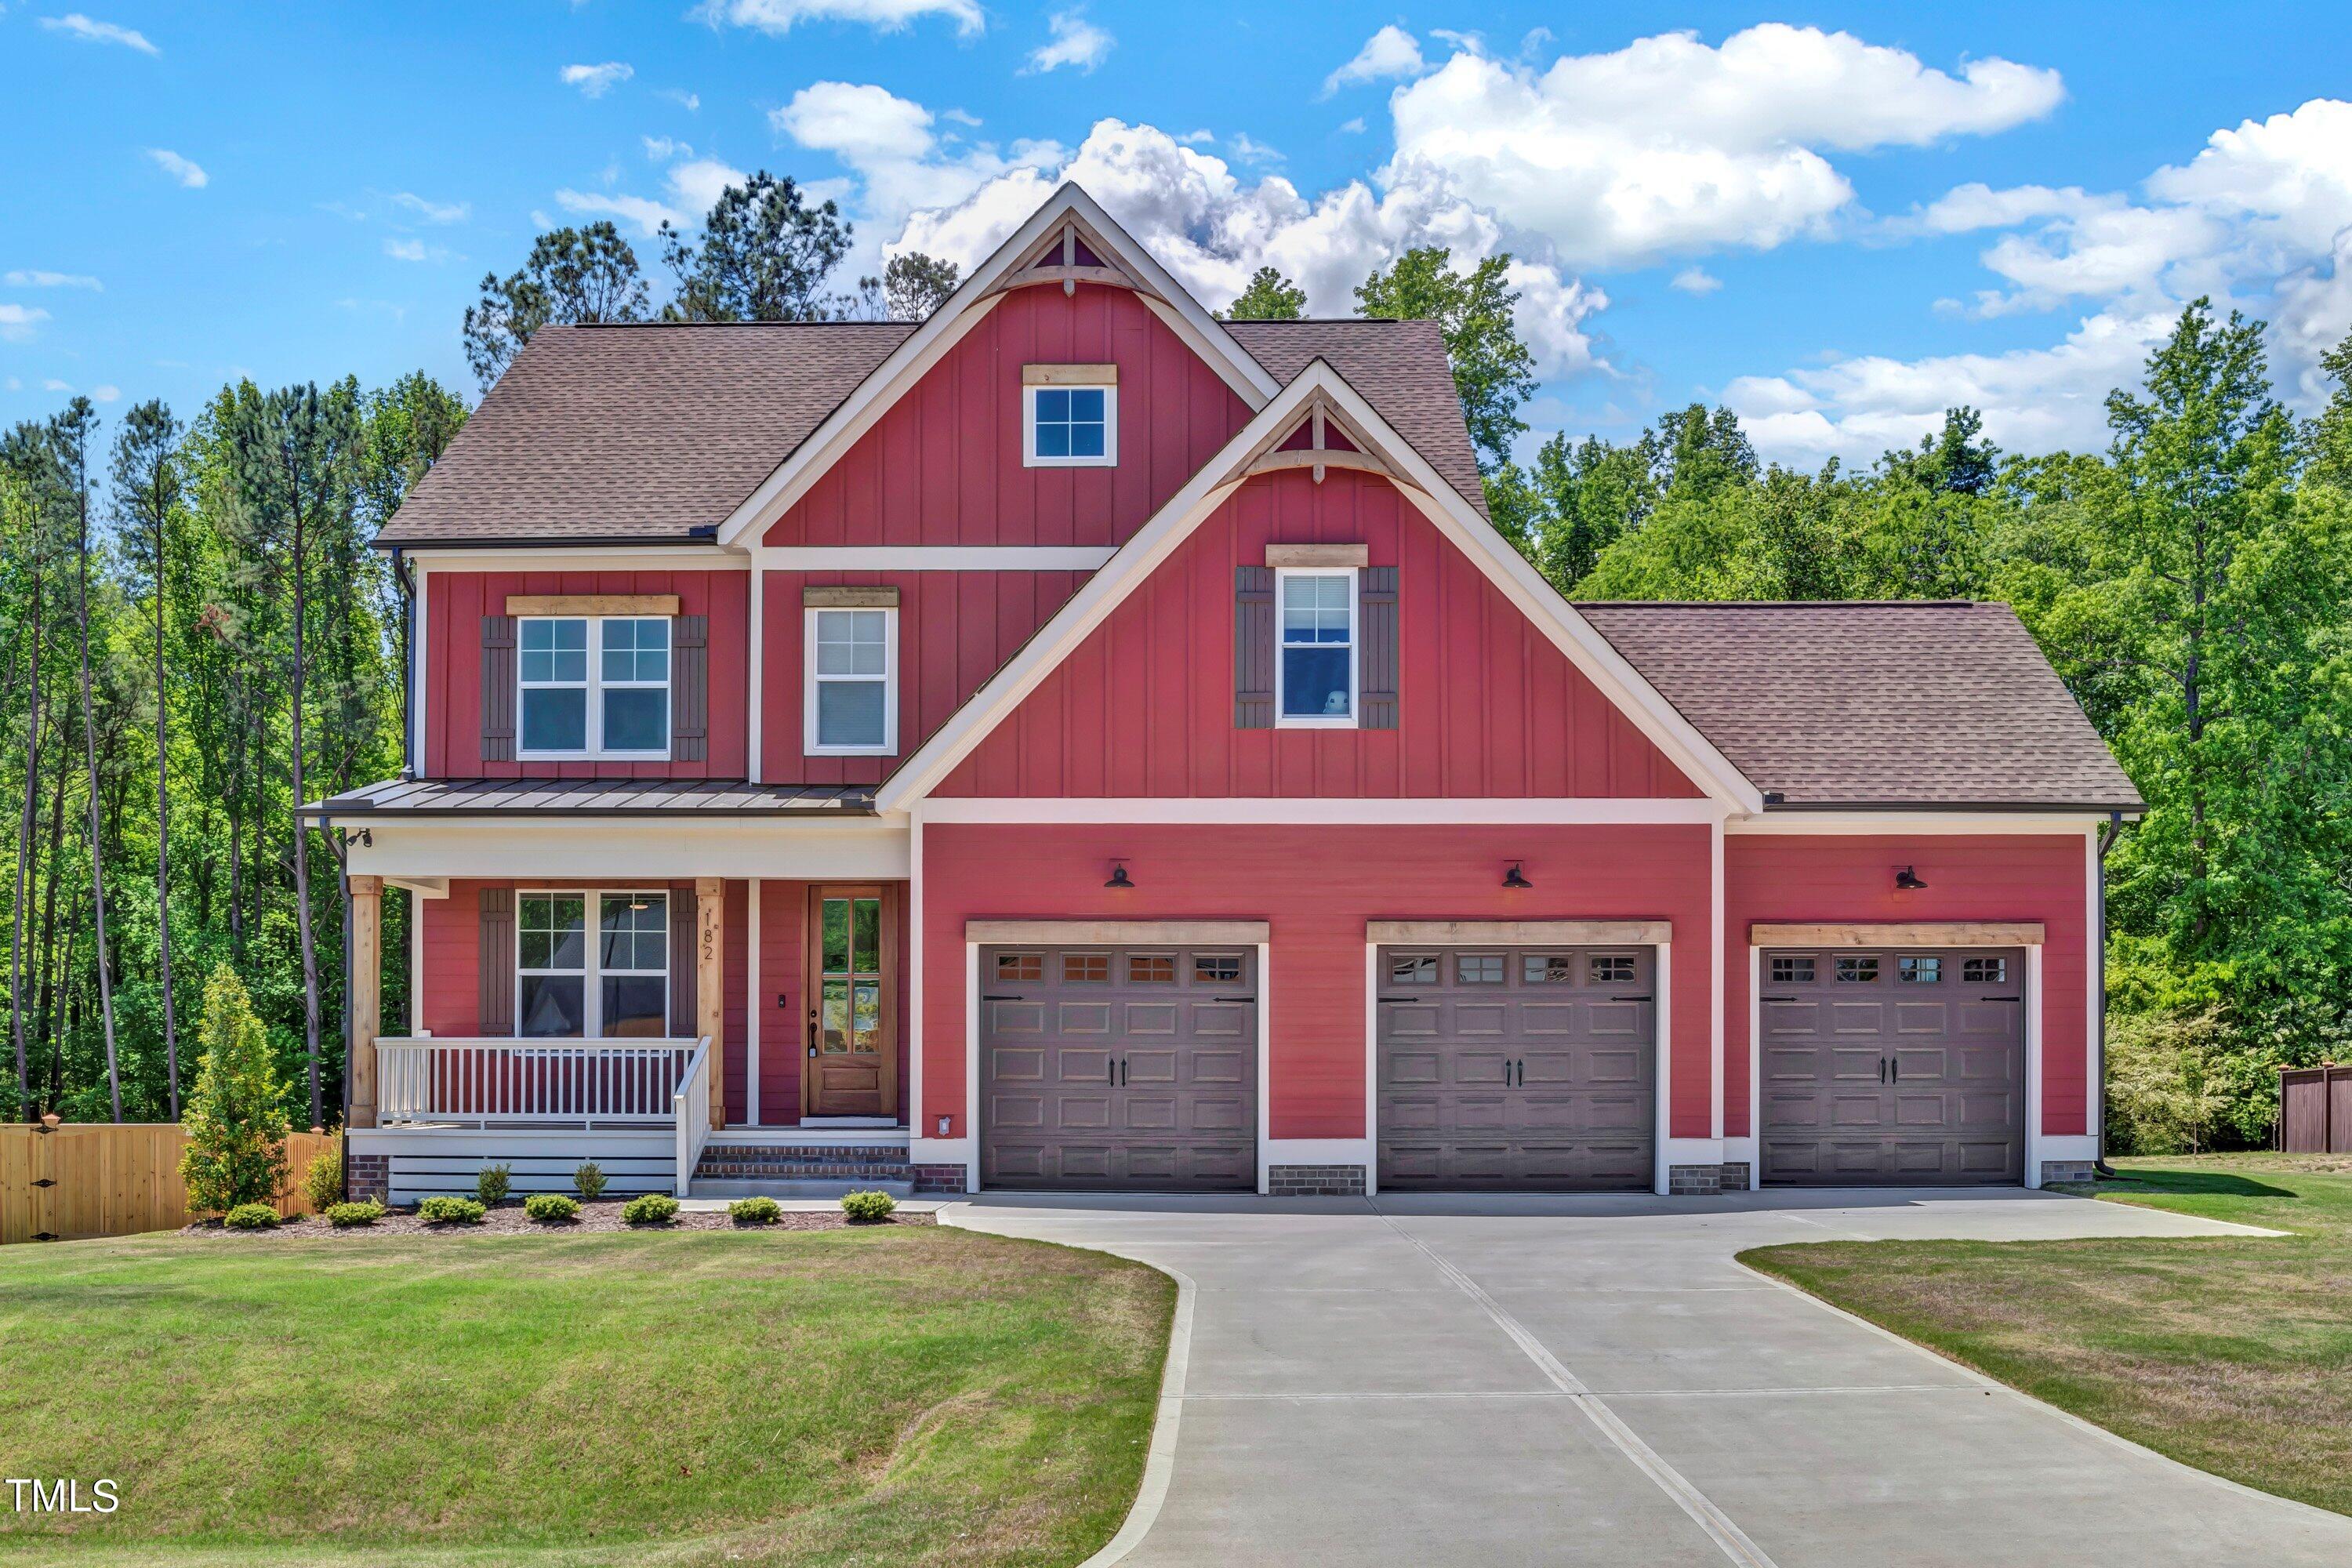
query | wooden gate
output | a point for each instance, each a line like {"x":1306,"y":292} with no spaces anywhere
{"x":100,"y":1179}
{"x":2315,"y":1110}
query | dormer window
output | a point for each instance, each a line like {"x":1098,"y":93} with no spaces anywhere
{"x":1069,"y":416}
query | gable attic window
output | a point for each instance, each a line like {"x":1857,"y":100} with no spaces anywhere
{"x":1069,"y":416}
{"x":593,"y":686}
{"x":1315,"y":667}
{"x":852,"y":663}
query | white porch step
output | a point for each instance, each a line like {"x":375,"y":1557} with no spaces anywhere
{"x":800,"y":1187}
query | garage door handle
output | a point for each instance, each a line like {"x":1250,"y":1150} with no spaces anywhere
{"x":2004,"y":998}
{"x":1629,"y":998}
{"x":1898,"y":1070}
{"x":1232,"y":998}
{"x":987,"y":997}
{"x":1882,"y":1069}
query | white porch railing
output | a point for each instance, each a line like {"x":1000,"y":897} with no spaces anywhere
{"x":693,"y":1114}
{"x":510,"y":1081}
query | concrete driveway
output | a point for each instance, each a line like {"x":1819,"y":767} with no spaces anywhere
{"x":1593,"y":1380}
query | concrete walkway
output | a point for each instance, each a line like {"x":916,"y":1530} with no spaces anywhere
{"x":1593,"y":1380}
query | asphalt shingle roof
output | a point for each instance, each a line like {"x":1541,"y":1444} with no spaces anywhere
{"x":1921,"y":704}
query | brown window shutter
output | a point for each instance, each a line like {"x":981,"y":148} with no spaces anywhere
{"x":497,"y":961}
{"x":682,"y":923}
{"x":689,"y":688}
{"x":498,"y":689}
{"x":1252,"y":647}
{"x":1376,"y":647}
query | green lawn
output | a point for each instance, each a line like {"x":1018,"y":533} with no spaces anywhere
{"x":2233,"y":1353}
{"x":884,"y":1396}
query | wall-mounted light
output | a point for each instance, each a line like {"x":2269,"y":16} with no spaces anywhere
{"x":947,"y":1123}
{"x":1515,"y":878}
{"x":1119,"y":876}
{"x":1908,"y":880}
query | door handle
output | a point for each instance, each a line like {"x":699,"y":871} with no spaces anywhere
{"x":1882,"y":1069}
{"x":1122,"y":1072}
{"x":1111,"y":1072}
{"x":1897,"y":1065}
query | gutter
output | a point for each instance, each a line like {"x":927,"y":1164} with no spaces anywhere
{"x":2099,"y":1166}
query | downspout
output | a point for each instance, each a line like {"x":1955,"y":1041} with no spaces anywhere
{"x":407,"y":663}
{"x":343,"y":1138}
{"x":2099,"y":1166}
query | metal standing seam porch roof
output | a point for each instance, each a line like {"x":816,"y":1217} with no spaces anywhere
{"x":440,"y":799}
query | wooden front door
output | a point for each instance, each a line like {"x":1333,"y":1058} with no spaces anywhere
{"x":853,"y":964}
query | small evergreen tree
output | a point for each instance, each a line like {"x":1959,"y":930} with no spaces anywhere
{"x":236,"y":1123}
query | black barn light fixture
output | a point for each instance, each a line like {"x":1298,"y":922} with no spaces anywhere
{"x":1119,"y":876}
{"x":1908,"y":880}
{"x":1515,"y":878}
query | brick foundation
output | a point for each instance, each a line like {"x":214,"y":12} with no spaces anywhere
{"x":1693,"y":1181}
{"x":368,"y":1177}
{"x":2067,"y":1171}
{"x":938,"y":1178}
{"x":1737,"y":1177}
{"x":1315,"y":1181}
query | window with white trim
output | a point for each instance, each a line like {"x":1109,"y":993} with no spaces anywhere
{"x":852,"y":662}
{"x":1315,"y":651}
{"x":617,"y":987}
{"x":593,"y":686}
{"x":1069,"y":427}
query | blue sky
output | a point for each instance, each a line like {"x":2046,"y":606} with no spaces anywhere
{"x":1838,"y":220}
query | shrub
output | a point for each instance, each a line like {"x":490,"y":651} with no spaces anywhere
{"x":755,"y":1211}
{"x":451,"y":1211}
{"x":2166,"y":1089}
{"x":342,"y":1216}
{"x":589,"y":1179}
{"x":235,"y":1120}
{"x":550,"y":1209}
{"x":251,"y":1216}
{"x":490,"y":1184}
{"x":650,"y":1208}
{"x":323,"y":1179}
{"x":867,"y":1208}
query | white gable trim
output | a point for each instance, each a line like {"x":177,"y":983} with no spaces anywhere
{"x":964,"y":310}
{"x":1174,"y":522}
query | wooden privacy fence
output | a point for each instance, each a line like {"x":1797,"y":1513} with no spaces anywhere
{"x":2315,"y":1110}
{"x":103,"y":1179}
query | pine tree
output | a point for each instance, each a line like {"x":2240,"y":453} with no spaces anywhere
{"x":236,"y":1123}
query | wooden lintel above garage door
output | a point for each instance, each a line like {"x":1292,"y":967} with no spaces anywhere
{"x":1921,"y":933}
{"x":1519,"y":934}
{"x":1122,"y":934}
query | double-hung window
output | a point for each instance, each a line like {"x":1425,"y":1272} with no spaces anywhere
{"x":1314,"y":663}
{"x":852,"y":682}
{"x":1070,"y":416}
{"x":569,"y":987}
{"x":593,"y":686}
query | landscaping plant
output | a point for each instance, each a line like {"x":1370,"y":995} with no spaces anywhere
{"x":250,"y":1216}
{"x":551,"y":1208}
{"x":323,"y":1179}
{"x":450,"y":1211}
{"x":344,"y":1216}
{"x":589,"y":1179}
{"x":235,"y":1120}
{"x":755,"y":1211}
{"x":491,"y":1183}
{"x":650,"y":1208}
{"x":868,"y":1208}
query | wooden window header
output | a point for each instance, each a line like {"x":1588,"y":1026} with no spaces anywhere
{"x":1924,"y":933}
{"x":849,"y":598}
{"x":1069,"y":375}
{"x":1519,"y":934}
{"x":592,"y":604}
{"x":1118,"y":934}
{"x":1334,"y":555}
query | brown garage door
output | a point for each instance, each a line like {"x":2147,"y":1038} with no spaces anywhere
{"x":1119,"y":1067}
{"x":1533,"y":1068}
{"x":1894,"y":1066}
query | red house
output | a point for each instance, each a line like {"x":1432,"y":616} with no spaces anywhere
{"x":1076,"y":742}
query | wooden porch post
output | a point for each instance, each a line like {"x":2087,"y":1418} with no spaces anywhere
{"x":709,"y":1000}
{"x":367,"y":994}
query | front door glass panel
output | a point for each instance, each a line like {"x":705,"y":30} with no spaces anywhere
{"x":850,"y":1019}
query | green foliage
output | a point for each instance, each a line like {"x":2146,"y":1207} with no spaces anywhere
{"x":490,"y":1184}
{"x":1494,"y":372}
{"x":235,"y":1120}
{"x":755,"y":1211}
{"x":914,"y":285}
{"x":867,"y":1208}
{"x":450,"y":1211}
{"x":764,"y":255}
{"x":573,"y":276}
{"x":649,"y":1208}
{"x":251,"y":1216}
{"x":1270,"y":297}
{"x":2168,"y":1084}
{"x":589,"y":1179}
{"x":551,"y":1208}
{"x":344,"y":1216}
{"x":322,"y":1178}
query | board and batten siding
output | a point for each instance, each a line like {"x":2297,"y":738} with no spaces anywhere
{"x":1850,"y":880}
{"x":1318,"y":886}
{"x":1487,"y":706}
{"x":944,"y":465}
{"x":456,"y":601}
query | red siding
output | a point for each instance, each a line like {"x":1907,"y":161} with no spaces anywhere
{"x":1317,"y":886}
{"x":955,"y":630}
{"x":734,"y":957}
{"x":784,"y":907}
{"x":943,"y":465}
{"x":1487,"y":706}
{"x":455,"y":604}
{"x":2022,"y":876}
{"x":452,"y":961}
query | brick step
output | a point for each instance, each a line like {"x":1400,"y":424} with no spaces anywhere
{"x":777,"y":1163}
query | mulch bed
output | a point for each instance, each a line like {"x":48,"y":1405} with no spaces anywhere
{"x":509,"y":1218}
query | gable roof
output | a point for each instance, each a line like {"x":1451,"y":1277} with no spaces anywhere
{"x":1861,"y":705}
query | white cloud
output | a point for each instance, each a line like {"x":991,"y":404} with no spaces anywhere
{"x":693,"y":186}
{"x":960,"y":116}
{"x":1197,"y":138}
{"x":90,"y":32}
{"x":105,"y":394}
{"x":662,"y":149}
{"x":1966,"y":208}
{"x":1076,"y":42}
{"x":1352,"y":127}
{"x":181,"y":169}
{"x":595,"y":81}
{"x":54,"y":384}
{"x":1390,"y":52}
{"x":18,"y":321}
{"x":889,"y":143}
{"x":1249,"y":150}
{"x":413,"y":250}
{"x":35,"y":277}
{"x":1694,"y":280}
{"x":1672,"y":145}
{"x":432,"y":211}
{"x":889,"y":16}
{"x":690,"y":101}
